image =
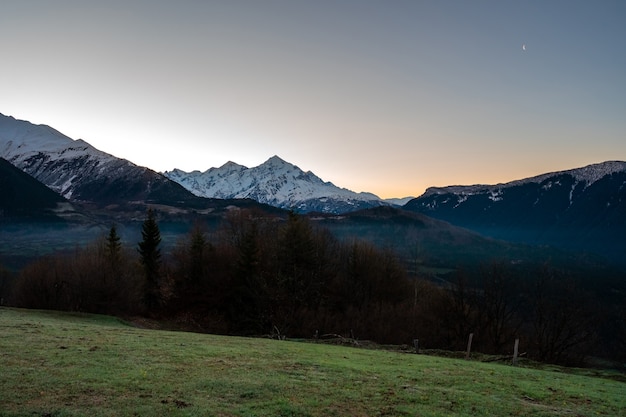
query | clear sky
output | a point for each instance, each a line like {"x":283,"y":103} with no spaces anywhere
{"x":383,"y":96}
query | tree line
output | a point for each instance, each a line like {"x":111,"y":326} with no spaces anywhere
{"x":286,"y":277}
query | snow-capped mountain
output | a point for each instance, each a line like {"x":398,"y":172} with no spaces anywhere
{"x":77,"y":170}
{"x":582,"y":208}
{"x":585,"y":176}
{"x":275,"y":182}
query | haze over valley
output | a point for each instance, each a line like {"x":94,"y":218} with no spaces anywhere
{"x":580,"y":209}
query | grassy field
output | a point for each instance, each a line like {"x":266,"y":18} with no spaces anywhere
{"x":60,"y":364}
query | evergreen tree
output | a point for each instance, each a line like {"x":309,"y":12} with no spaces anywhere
{"x":197,"y":257}
{"x":297,"y":258}
{"x":113,"y":247}
{"x":297,"y":273}
{"x":151,"y":260}
{"x":109,"y":269}
{"x":249,"y":298}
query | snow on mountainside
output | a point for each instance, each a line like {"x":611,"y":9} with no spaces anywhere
{"x":587,"y":175}
{"x":80,"y":172}
{"x":31,"y":147}
{"x":583,"y":208}
{"x":77,"y":170}
{"x":275,"y":182}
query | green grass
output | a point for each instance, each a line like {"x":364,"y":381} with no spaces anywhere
{"x":59,"y":364}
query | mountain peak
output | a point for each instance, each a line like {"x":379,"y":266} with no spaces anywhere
{"x":229,"y":167}
{"x":275,"y":182}
{"x":276,"y":161}
{"x":77,"y":170}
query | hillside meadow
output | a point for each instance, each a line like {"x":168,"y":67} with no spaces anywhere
{"x":65,"y":364}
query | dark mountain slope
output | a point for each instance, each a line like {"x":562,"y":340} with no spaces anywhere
{"x":23,"y":196}
{"x":426,"y":243}
{"x":582,"y":209}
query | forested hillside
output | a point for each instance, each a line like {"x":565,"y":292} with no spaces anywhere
{"x":259,"y":275}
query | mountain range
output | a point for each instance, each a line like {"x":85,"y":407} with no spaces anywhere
{"x":78,"y":171}
{"x":277,"y":183}
{"x":581,"y":209}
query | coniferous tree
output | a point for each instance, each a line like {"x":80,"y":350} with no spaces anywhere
{"x":108,"y":258}
{"x":192,"y":257}
{"x":113,"y":247}
{"x":197,"y":256}
{"x":297,"y":257}
{"x":120,"y":284}
{"x":151,"y":260}
{"x":249,"y":297}
{"x":250,"y":291}
{"x":298,"y":277}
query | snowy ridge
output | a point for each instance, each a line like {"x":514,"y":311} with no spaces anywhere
{"x":65,"y":165}
{"x":78,"y":171}
{"x":275,"y":182}
{"x":581,"y":209}
{"x":588,"y":175}
{"x":21,"y":140}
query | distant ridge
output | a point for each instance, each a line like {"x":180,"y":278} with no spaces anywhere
{"x":588,"y":175}
{"x":582,"y":208}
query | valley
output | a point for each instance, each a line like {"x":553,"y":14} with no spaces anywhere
{"x":558,"y":235}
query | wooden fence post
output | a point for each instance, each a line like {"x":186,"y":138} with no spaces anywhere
{"x":515,"y":351}
{"x":469,"y":346}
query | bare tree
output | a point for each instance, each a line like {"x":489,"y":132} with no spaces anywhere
{"x":562,"y":318}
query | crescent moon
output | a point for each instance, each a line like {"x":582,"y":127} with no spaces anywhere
{"x":523,"y":47}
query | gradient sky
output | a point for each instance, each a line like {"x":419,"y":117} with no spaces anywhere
{"x":389,"y":96}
